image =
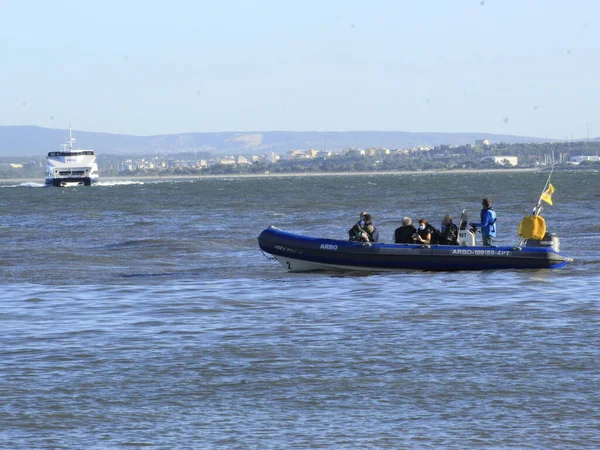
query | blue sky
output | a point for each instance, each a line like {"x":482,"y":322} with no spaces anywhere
{"x":527,"y":67}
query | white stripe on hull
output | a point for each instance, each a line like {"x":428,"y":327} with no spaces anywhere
{"x":297,"y":265}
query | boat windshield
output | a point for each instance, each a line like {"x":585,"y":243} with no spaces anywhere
{"x":86,"y":152}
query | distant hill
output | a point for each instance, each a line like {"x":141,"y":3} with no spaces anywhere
{"x":37,"y":141}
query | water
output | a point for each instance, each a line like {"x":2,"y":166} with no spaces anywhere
{"x":143,"y":314}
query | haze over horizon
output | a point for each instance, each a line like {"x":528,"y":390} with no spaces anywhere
{"x":143,"y":68}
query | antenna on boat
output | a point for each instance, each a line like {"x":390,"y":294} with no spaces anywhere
{"x":71,"y":138}
{"x":538,"y":208}
{"x":463,"y":220}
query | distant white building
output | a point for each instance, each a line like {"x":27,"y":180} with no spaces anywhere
{"x":297,"y":154}
{"x":378,"y":151}
{"x":482,"y":142}
{"x":355,"y":152}
{"x":272,"y":157}
{"x":579,"y":159}
{"x":504,"y":160}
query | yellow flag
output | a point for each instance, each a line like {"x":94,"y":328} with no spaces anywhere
{"x":547,"y":195}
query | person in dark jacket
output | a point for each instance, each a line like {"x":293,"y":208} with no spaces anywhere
{"x":356,"y":232}
{"x":487,"y":224}
{"x":424,"y":233}
{"x":404,"y":234}
{"x":364,"y":230}
{"x":448,"y":235}
{"x":369,"y":228}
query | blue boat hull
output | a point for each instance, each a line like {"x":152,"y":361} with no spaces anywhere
{"x":303,"y":253}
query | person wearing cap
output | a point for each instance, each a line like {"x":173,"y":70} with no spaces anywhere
{"x":404,"y":234}
{"x":356,"y":232}
{"x":487,"y":224}
{"x":364,"y":230}
{"x":369,"y":229}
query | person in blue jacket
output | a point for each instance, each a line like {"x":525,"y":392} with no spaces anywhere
{"x":487,"y":224}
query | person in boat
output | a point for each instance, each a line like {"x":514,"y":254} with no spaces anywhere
{"x":424,"y":233}
{"x":448,"y":235}
{"x":487,"y":224}
{"x":364,"y":230}
{"x":404,"y":234}
{"x":369,"y":229}
{"x":356,"y":232}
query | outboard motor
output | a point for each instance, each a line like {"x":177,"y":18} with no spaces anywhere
{"x":549,"y":240}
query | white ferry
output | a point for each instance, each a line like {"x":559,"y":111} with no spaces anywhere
{"x":70,"y":167}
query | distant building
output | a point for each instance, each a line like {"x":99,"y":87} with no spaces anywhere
{"x":272,"y":157}
{"x":422,"y":148}
{"x":355,"y":152}
{"x":504,"y":160}
{"x":579,"y":159}
{"x":482,"y":142}
{"x":296,"y":154}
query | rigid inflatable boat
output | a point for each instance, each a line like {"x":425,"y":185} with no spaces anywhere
{"x":300,"y":253}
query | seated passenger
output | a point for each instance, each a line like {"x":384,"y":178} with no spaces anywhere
{"x":364,"y":230}
{"x":356,"y":233}
{"x":404,"y":234}
{"x":369,"y":229}
{"x":448,"y":234}
{"x":423,"y":234}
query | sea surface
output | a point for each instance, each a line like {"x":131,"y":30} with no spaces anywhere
{"x":142,"y":314}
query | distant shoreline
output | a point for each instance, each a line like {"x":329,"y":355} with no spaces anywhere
{"x":321,"y":174}
{"x":294,"y":174}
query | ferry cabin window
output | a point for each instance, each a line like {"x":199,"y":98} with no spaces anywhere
{"x":87,"y":153}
